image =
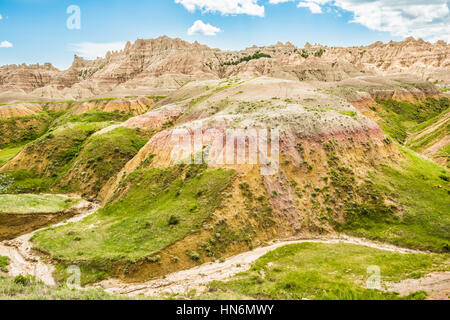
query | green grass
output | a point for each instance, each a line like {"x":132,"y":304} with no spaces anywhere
{"x":105,"y":155}
{"x":66,"y":141}
{"x":102,"y":99}
{"x":4,"y":263}
{"x":16,"y":130}
{"x":325,"y":271}
{"x":100,"y":116}
{"x":92,"y":116}
{"x":31,"y":203}
{"x":438,"y":133}
{"x":23,"y":181}
{"x":428,"y":139}
{"x":10,"y":152}
{"x":156,"y":99}
{"x":430,"y":121}
{"x":422,"y":217}
{"x":137,"y":225}
{"x":255,"y":56}
{"x":57,"y":149}
{"x":349,"y":113}
{"x":14,"y":290}
{"x":401,"y":118}
{"x":445,"y":151}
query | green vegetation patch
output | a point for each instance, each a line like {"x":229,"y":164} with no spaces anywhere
{"x":445,"y":152}
{"x":104,"y":155}
{"x":10,"y":152}
{"x":65,"y":143}
{"x":4,"y":263}
{"x":438,"y":132}
{"x":23,"y":181}
{"x":326,"y":271}
{"x":255,"y":56}
{"x":102,"y":99}
{"x":92,"y":116}
{"x":26,"y":288}
{"x":32,"y":203}
{"x":419,"y":215}
{"x":156,"y":99}
{"x":16,"y":130}
{"x":139,"y":222}
{"x":400,"y":117}
{"x":100,"y":116}
{"x":348,"y":113}
{"x":57,"y":150}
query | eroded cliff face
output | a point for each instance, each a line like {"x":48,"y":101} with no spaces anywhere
{"x":170,"y":63}
{"x":24,"y":77}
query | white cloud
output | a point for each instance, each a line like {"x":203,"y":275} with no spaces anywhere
{"x":6,"y":44}
{"x":1,"y":17}
{"x":313,"y":7}
{"x":225,"y":7}
{"x":199,"y":27}
{"x":428,"y":19}
{"x":92,"y":50}
{"x":279,"y":1}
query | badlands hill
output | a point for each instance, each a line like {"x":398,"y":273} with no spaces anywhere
{"x":168,"y":63}
{"x":349,"y":121}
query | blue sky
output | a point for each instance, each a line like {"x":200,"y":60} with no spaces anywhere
{"x":35,"y":31}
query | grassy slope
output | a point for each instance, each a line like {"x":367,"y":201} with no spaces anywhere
{"x":324,"y":271}
{"x":57,"y":149}
{"x":28,"y":203}
{"x":10,"y":152}
{"x":104,"y":155}
{"x":137,"y":225}
{"x":16,"y":130}
{"x":419,"y":144}
{"x":91,"y":117}
{"x":420,"y":188}
{"x":11,"y":290}
{"x":401,"y":118}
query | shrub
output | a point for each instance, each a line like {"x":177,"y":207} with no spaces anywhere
{"x":174,"y":220}
{"x":195,"y":256}
{"x":4,"y":262}
{"x":257,"y":55}
{"x":24,"y":280}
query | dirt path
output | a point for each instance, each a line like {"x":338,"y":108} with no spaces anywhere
{"x":436,"y":284}
{"x":198,"y":278}
{"x":24,"y":261}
